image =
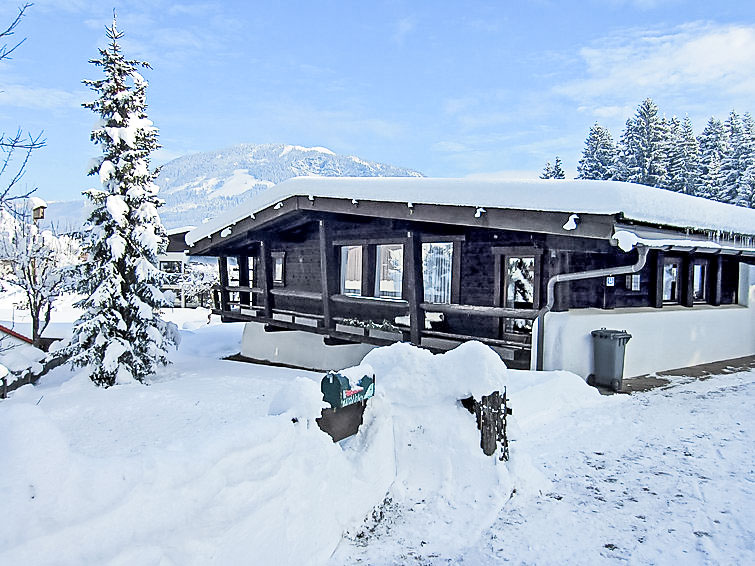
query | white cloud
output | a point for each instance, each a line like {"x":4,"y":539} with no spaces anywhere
{"x":22,"y":96}
{"x":693,"y":57}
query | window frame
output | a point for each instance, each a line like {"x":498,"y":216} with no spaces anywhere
{"x":679,"y":260}
{"x":705,"y":263}
{"x":501,"y":256}
{"x":378,"y":268}
{"x":344,"y":257}
{"x":275,"y":257}
{"x":452,"y":275}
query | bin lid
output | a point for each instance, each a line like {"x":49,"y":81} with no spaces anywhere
{"x":611,"y":334}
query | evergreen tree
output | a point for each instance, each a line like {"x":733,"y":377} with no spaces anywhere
{"x":713,"y":146}
{"x":738,"y":162}
{"x":547,"y":171}
{"x":558,"y":170}
{"x":120,"y":336}
{"x":682,"y":158}
{"x":599,"y":156}
{"x":555,"y":171}
{"x":747,"y":194}
{"x":643,"y":147}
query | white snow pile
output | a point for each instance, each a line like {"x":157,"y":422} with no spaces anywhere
{"x":221,"y":462}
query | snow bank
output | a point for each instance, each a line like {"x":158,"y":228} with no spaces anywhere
{"x":222,"y":463}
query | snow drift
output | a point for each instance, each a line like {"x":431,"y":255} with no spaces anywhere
{"x":221,"y":462}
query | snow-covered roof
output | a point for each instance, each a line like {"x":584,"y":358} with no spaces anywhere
{"x":36,"y":202}
{"x":635,"y":202}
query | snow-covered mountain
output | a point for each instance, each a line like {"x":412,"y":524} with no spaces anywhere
{"x":202,"y":185}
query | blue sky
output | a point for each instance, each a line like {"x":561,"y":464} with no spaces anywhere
{"x":448,"y":88}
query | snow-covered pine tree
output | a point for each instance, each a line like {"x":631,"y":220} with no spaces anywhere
{"x":120,"y":336}
{"x":555,"y":171}
{"x":558,"y":170}
{"x":682,"y":158}
{"x":713,"y":145}
{"x":738,"y":160}
{"x":547,"y":171}
{"x":599,"y":156}
{"x":747,"y":194}
{"x":643,"y":147}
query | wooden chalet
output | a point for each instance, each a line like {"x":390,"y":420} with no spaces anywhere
{"x":436,"y":262}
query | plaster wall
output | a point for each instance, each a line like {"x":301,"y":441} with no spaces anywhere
{"x":662,"y":339}
{"x":298,"y":348}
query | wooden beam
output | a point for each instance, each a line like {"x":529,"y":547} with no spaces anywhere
{"x":244,"y":296}
{"x":562,"y":290}
{"x":688,"y":280}
{"x":591,"y":225}
{"x":225,"y":297}
{"x":327,"y":271}
{"x":480,"y":310}
{"x":425,"y":237}
{"x":656,"y":282}
{"x":716,"y":280}
{"x":392,"y":304}
{"x":415,"y":292}
{"x":498,"y":291}
{"x":266,"y":278}
{"x":369,"y":269}
{"x":456,"y":272}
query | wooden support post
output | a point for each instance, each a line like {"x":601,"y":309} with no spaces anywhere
{"x":415,"y":289}
{"x":716,"y":280}
{"x":688,"y":280}
{"x":327,"y":271}
{"x":498,"y":290}
{"x":562,"y":291}
{"x":456,"y":273}
{"x":656,"y":282}
{"x":369,"y":269}
{"x":224,"y":295}
{"x":266,"y":278}
{"x":244,"y":296}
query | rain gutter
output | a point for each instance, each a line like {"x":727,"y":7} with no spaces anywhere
{"x":642,"y":252}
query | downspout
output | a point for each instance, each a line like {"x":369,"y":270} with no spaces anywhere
{"x":642,"y":252}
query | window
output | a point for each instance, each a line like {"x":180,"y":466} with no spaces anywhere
{"x":633,"y":282}
{"x":519,"y":291}
{"x":279,"y":268}
{"x":436,"y":272}
{"x":390,"y":271}
{"x":671,"y":275}
{"x":700,"y":280}
{"x":351,"y":270}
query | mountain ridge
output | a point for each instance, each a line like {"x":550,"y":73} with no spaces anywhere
{"x":202,"y":185}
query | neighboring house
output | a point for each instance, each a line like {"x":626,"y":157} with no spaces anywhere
{"x":19,"y":356}
{"x":173,"y":263}
{"x":528,"y":267}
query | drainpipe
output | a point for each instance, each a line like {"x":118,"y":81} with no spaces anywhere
{"x":642,"y":252}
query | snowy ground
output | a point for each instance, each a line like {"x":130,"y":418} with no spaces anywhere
{"x":207,"y":466}
{"x":664,"y":477}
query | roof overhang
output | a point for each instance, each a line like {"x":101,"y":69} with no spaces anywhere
{"x":307,"y":208}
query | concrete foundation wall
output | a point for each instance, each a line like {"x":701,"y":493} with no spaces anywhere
{"x":666,"y":338}
{"x":298,"y":348}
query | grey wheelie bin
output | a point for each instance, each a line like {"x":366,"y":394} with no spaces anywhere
{"x":608,"y":349}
